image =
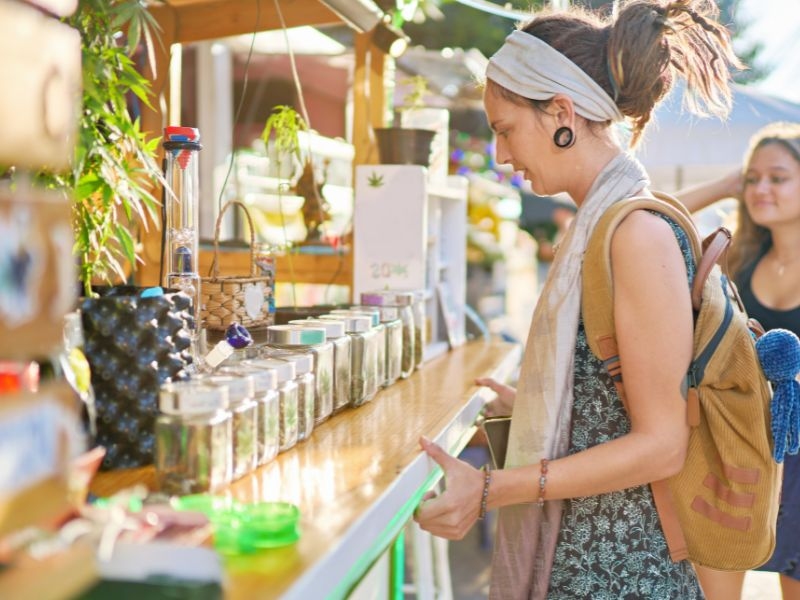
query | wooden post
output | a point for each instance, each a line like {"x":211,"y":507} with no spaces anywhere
{"x":153,"y":122}
{"x":377,"y":98}
{"x":361,"y":100}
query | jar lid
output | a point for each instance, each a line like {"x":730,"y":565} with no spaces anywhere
{"x":372,"y":298}
{"x":389,"y":313}
{"x":374,"y":316}
{"x":240,"y":386}
{"x":283,"y":369}
{"x":392,"y":297}
{"x":333,"y":329}
{"x":303,"y":363}
{"x":191,"y":397}
{"x":263,"y":379}
{"x":294,"y":335}
{"x":352,"y":323}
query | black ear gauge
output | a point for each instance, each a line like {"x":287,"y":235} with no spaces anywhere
{"x":563,"y":137}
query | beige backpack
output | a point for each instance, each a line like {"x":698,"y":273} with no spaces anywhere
{"x":720,"y":511}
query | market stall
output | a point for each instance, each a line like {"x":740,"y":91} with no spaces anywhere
{"x":358,"y":479}
{"x":244,"y":450}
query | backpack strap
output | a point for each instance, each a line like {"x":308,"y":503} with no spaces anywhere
{"x":598,"y":320}
{"x":598,"y":287}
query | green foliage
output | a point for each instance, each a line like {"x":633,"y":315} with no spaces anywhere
{"x":419,"y":89}
{"x":285,"y":123}
{"x":466,"y":27}
{"x":114,"y":164}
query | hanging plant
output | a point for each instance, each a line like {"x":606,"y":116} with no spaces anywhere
{"x":114,"y":166}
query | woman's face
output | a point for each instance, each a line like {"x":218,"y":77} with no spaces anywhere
{"x":523,"y":142}
{"x":772,"y":186}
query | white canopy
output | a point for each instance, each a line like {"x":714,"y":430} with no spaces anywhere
{"x":680,"y":148}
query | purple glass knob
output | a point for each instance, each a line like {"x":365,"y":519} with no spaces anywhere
{"x":238,"y":336}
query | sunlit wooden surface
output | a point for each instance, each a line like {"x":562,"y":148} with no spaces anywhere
{"x":352,"y":464}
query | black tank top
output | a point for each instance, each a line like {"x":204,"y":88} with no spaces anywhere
{"x":769,"y":318}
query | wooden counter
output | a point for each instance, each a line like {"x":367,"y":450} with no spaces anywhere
{"x":358,"y":478}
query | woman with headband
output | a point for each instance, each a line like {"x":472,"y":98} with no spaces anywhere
{"x":578,"y":519}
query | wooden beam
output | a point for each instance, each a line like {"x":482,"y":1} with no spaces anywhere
{"x":222,"y":18}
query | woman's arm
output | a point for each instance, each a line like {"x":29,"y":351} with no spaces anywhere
{"x":699,"y":196}
{"x":653,"y":314}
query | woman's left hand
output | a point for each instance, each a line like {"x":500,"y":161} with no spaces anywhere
{"x":452,"y":514}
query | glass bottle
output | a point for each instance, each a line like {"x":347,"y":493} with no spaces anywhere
{"x":336,"y":335}
{"x":193,"y":438}
{"x":182,"y":204}
{"x":294,"y":338}
{"x":306,"y":388}
{"x":268,"y":412}
{"x":404,"y":302}
{"x":243,"y":407}
{"x":287,"y":398}
{"x":363,"y":357}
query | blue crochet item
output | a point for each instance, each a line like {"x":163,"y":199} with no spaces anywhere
{"x":779,"y":353}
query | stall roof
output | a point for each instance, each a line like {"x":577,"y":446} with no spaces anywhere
{"x":196,"y":20}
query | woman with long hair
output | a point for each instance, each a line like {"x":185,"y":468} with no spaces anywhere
{"x":765,"y":264}
{"x":578,"y":518}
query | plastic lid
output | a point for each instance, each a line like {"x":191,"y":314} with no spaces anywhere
{"x":240,"y":386}
{"x":175,"y":133}
{"x":264,"y":379}
{"x":372,"y":299}
{"x":333,"y":329}
{"x":352,"y":323}
{"x":194,"y":396}
{"x":389,"y":313}
{"x":374,"y":316}
{"x":294,"y":335}
{"x":285,"y":370}
{"x":392,"y":297}
{"x":303,"y":363}
{"x":271,"y":524}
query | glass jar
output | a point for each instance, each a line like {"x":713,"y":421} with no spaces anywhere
{"x":295,"y":338}
{"x":378,"y":351}
{"x":306,"y":388}
{"x":287,"y":398}
{"x":404,"y":302}
{"x":363,"y":360}
{"x":244,"y":408}
{"x":193,"y":438}
{"x":394,"y":343}
{"x":420,"y":327}
{"x":268,"y":413}
{"x":336,"y":335}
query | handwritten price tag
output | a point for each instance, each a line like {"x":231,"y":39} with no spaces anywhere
{"x":389,"y":270}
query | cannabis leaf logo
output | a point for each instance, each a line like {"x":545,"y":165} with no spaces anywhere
{"x":375,"y":180}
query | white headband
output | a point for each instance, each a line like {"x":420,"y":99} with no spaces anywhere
{"x":533,"y":69}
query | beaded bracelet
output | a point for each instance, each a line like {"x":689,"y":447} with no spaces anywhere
{"x":542,"y":481}
{"x":487,"y":479}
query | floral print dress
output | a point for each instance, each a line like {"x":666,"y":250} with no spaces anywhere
{"x":611,"y":546}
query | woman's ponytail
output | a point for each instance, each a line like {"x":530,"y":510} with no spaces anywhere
{"x":650,"y":42}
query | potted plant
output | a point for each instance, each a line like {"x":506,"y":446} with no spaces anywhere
{"x":408,"y":144}
{"x":283,"y":127}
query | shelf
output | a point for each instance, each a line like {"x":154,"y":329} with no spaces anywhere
{"x":358,"y":478}
{"x":307,"y":268}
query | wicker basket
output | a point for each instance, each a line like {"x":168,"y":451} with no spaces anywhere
{"x":235,"y":299}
